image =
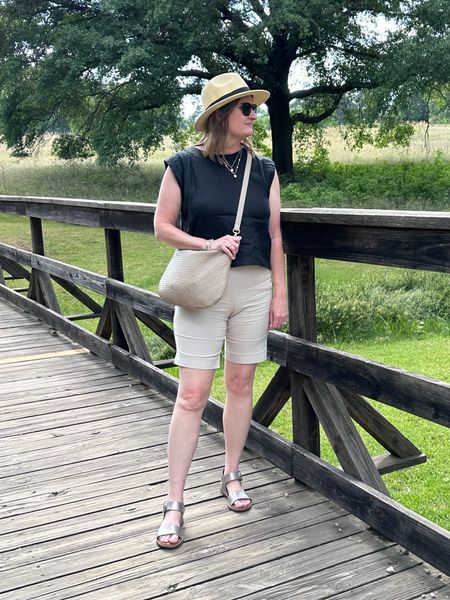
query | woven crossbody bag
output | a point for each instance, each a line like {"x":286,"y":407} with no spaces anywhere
{"x":197,"y":278}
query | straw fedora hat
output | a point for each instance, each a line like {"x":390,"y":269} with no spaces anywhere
{"x":221,"y":90}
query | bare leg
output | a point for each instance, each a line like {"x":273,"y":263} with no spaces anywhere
{"x":236,"y":417}
{"x":193,"y":393}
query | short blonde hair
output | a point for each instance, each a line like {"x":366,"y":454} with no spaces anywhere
{"x":216,"y":133}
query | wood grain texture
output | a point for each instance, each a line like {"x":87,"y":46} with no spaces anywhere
{"x":427,"y":249}
{"x":342,"y":433}
{"x":411,"y":392}
{"x":15,"y":270}
{"x":387,"y":463}
{"x":82,"y":495}
{"x":385,"y":515}
{"x":138,"y":216}
{"x":129,"y":216}
{"x":369,"y":217}
{"x":133,"y":335}
{"x":302,"y":323}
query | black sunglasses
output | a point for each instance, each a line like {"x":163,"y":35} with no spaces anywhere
{"x":247,"y":108}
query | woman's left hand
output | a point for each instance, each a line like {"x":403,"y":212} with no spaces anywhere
{"x":278,"y":314}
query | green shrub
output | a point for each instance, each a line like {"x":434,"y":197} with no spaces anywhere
{"x":403,"y":185}
{"x":391,"y":305}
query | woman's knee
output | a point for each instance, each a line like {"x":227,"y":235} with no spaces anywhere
{"x":239,"y":383}
{"x":192,"y":398}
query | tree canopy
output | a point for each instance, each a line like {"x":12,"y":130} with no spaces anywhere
{"x":116,"y":71}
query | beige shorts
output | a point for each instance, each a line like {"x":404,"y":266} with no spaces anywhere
{"x":241,"y":318}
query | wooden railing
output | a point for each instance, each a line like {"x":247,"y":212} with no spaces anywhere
{"x":327,"y":386}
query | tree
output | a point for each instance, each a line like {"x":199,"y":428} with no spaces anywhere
{"x":117,"y":70}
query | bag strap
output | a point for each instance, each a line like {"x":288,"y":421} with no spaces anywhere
{"x":240,"y":210}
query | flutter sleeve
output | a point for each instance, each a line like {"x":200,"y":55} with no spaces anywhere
{"x":268,"y":170}
{"x":175,"y":162}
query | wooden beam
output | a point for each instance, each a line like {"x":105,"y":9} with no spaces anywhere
{"x":301,"y":275}
{"x":146,"y":372}
{"x":48,"y":291}
{"x":165,"y":363}
{"x":92,"y":281}
{"x":342,"y":433}
{"x":127,"y":216}
{"x":302,"y":323}
{"x":359,"y":217}
{"x":158,"y":327}
{"x":34,"y":291}
{"x":41,"y":288}
{"x":411,"y":248}
{"x":78,"y":294}
{"x":37,"y":236}
{"x":83,"y":317}
{"x":104,"y":326}
{"x":377,"y":425}
{"x":138,"y":216}
{"x":274,"y":397}
{"x":391,"y":519}
{"x":140,"y":299}
{"x":419,"y":395}
{"x":114,"y":262}
{"x":387,"y":463}
{"x":14,"y":268}
{"x":133,"y":335}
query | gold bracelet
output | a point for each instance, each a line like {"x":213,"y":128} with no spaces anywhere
{"x":209,"y":244}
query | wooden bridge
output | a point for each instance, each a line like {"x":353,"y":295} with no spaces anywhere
{"x":85,"y":419}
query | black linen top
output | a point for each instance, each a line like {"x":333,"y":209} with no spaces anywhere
{"x":210,"y":197}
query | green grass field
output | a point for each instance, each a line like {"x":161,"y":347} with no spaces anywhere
{"x":424,"y":145}
{"x":409,"y":324}
{"x":417,"y":177}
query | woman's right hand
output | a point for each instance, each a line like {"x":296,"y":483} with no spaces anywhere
{"x":229,"y":244}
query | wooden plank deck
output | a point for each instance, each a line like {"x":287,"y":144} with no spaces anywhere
{"x":83,"y":478}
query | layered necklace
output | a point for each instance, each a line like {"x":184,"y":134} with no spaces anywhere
{"x":234,"y":167}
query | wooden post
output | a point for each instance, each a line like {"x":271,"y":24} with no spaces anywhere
{"x":41,"y":288}
{"x":37,"y":236}
{"x":302,"y":323}
{"x":120,"y":317}
{"x":114,"y":264}
{"x":37,"y":242}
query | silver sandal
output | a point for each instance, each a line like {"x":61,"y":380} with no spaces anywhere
{"x":170,"y":528}
{"x":233,"y":496}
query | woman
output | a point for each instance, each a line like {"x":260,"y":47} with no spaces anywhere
{"x":204,"y":183}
